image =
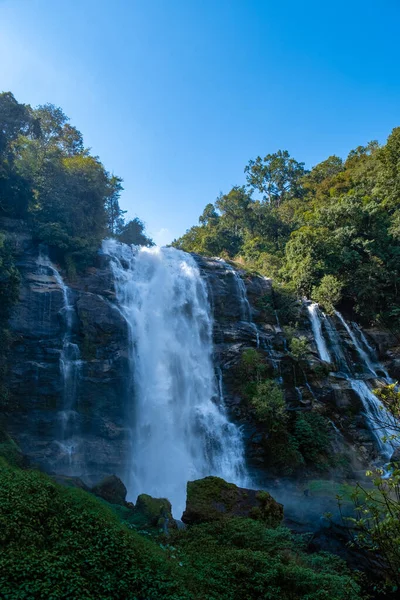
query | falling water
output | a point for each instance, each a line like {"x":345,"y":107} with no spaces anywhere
{"x":315,"y":319}
{"x":180,"y":430}
{"x":375,"y":415}
{"x":364,"y":340}
{"x":361,"y":352}
{"x":245,"y":308}
{"x":378,"y":419}
{"x":70,"y":366}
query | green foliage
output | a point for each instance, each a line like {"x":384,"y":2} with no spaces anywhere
{"x":62,"y":543}
{"x":9,"y":289}
{"x":293,"y":440}
{"x":10,"y":451}
{"x":50,"y":179}
{"x":299,"y":348}
{"x":240,"y":559}
{"x":252,"y":365}
{"x":375,"y":528}
{"x":376,"y":525}
{"x":328,"y":293}
{"x":312,"y":436}
{"x":269,"y":406}
{"x":277,"y":176}
{"x":287,"y":306}
{"x":133,"y":233}
{"x":332,"y":233}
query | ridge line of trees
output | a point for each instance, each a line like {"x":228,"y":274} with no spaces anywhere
{"x":331,"y":233}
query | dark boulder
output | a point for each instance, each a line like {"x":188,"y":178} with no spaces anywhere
{"x":213,"y":499}
{"x":111,"y":489}
{"x":154,"y":512}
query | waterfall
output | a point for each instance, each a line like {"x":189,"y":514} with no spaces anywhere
{"x":364,"y":340}
{"x":375,"y":414}
{"x":180,"y":430}
{"x":314,"y":313}
{"x":361,"y":352}
{"x":245,"y":308}
{"x":379,"y":420}
{"x":70,"y":366}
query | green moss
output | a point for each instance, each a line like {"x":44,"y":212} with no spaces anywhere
{"x":213,"y":499}
{"x":204,"y":496}
{"x":154,"y":511}
{"x":268,"y":511}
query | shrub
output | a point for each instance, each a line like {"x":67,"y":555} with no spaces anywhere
{"x":328,"y":293}
{"x":299,"y":348}
{"x":269,"y":405}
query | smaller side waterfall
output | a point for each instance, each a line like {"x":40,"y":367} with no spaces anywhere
{"x":245,"y":308}
{"x":364,"y":340}
{"x":363,"y":355}
{"x":314,"y":312}
{"x":379,"y":420}
{"x":70,"y":366}
{"x":375,"y":414}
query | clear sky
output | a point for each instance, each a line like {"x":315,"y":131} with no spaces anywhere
{"x":176,"y":96}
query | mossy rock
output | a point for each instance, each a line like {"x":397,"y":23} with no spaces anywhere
{"x":111,"y":489}
{"x":155,"y":512}
{"x":213,"y":499}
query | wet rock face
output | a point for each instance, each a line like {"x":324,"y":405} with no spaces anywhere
{"x":212,"y":499}
{"x":35,"y":410}
{"x":35,"y":413}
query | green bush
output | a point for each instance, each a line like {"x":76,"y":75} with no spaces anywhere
{"x":328,"y":293}
{"x":240,"y":559}
{"x":299,"y":348}
{"x":311,"y":432}
{"x":269,"y":405}
{"x":62,"y":543}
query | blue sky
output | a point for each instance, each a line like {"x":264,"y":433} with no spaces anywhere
{"x":176,"y":96}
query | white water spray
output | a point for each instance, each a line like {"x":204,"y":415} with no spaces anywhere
{"x":313,"y":311}
{"x":180,"y":430}
{"x":361,"y":352}
{"x":379,"y":420}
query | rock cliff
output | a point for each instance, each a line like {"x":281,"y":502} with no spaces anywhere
{"x":246,"y":314}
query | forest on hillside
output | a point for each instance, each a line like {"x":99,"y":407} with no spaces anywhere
{"x":51,"y":180}
{"x":331,"y":233}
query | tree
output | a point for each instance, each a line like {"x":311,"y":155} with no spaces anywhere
{"x":328,"y":293}
{"x":134,"y":233}
{"x":236,"y":209}
{"x":209,"y":216}
{"x":115,"y":215}
{"x":277,"y":176}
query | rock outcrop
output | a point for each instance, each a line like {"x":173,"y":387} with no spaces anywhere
{"x":111,"y":489}
{"x":212,"y":499}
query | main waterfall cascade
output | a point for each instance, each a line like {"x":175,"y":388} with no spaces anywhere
{"x":180,"y":430}
{"x":70,"y":366}
{"x":378,"y":419}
